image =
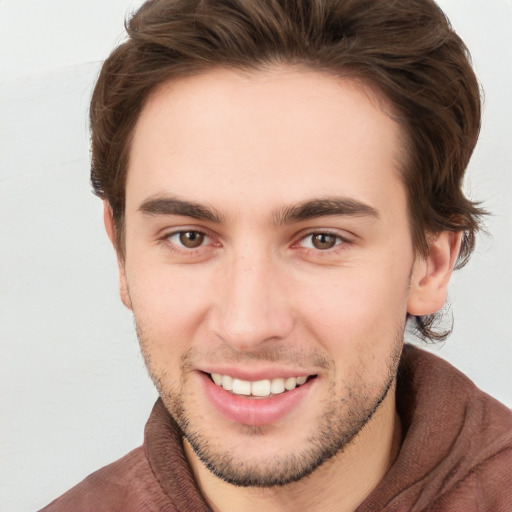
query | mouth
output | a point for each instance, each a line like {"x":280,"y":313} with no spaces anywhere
{"x":257,"y":402}
{"x":264,"y":388}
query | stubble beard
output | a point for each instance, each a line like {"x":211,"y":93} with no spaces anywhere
{"x":344,"y":417}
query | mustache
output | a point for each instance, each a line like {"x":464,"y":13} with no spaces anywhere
{"x":285,"y":355}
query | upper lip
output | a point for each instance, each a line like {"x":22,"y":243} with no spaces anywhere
{"x":252,"y":375}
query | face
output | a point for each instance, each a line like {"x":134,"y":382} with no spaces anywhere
{"x":268,"y":264}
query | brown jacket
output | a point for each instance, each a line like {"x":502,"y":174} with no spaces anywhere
{"x":456,"y":455}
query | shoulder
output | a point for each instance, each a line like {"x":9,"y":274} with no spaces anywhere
{"x":456,"y":449}
{"x":483,"y":487}
{"x":462,"y":435}
{"x":125,"y":485}
{"x":480,"y":476}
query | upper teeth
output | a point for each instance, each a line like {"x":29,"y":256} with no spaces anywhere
{"x":259,"y":387}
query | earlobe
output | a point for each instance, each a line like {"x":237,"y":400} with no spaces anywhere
{"x":431,"y":274}
{"x":108,"y":220}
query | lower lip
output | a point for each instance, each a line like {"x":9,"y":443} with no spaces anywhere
{"x":254,"y":411}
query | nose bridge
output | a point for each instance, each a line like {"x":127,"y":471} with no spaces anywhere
{"x":252,"y":307}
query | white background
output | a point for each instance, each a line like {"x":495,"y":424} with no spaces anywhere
{"x":74,"y":390}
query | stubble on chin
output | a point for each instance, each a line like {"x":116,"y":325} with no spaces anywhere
{"x":346,"y":413}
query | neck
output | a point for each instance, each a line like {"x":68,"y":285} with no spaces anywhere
{"x":340,"y":484}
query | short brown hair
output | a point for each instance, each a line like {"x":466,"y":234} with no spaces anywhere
{"x":406,"y":49}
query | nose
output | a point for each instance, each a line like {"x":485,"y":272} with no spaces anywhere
{"x":252,"y":307}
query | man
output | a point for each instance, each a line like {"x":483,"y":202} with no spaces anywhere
{"x":282,"y":186}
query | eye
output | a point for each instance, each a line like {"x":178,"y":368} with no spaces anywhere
{"x":188,"y":239}
{"x":321,"y":241}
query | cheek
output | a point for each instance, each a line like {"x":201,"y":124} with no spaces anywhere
{"x":359,"y":294}
{"x":360,"y":309}
{"x":169,"y":306}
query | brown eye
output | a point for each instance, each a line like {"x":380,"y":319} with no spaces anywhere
{"x":323,"y":241}
{"x":191,"y":239}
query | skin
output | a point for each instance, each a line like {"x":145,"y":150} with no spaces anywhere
{"x":257,"y":293}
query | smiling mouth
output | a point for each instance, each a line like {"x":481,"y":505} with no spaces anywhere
{"x":258,"y":388}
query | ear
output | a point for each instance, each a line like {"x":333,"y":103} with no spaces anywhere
{"x":431,"y":274}
{"x":108,"y":220}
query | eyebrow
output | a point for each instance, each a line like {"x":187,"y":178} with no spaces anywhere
{"x":329,"y":206}
{"x":174,"y":206}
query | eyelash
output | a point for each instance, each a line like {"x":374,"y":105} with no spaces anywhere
{"x":180,"y":249}
{"x":340,"y":245}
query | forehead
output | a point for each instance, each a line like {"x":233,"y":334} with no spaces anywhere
{"x":271,"y":135}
